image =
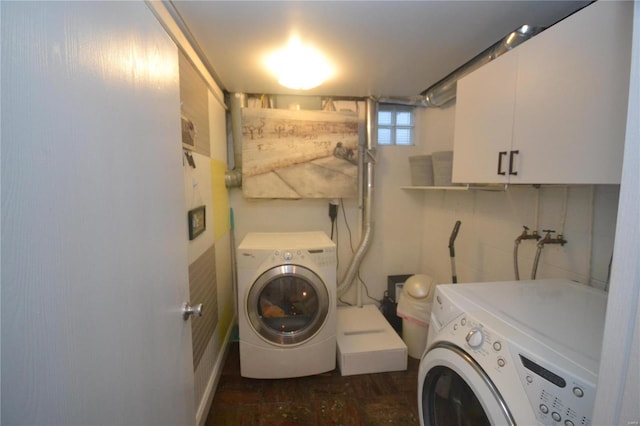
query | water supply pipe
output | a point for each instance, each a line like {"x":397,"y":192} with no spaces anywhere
{"x":366,"y":165}
{"x":548,"y":239}
{"x":523,"y":236}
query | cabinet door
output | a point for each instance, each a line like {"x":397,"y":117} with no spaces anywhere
{"x":573,"y":84}
{"x":484,"y":121}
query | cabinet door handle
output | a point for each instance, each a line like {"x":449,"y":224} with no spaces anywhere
{"x":500,"y":155}
{"x":511,"y":155}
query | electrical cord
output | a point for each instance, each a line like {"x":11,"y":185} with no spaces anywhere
{"x":333,"y":214}
{"x":346,"y":223}
{"x":364,"y":284}
{"x":366,"y":290}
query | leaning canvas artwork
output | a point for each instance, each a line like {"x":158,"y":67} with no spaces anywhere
{"x":299,"y":154}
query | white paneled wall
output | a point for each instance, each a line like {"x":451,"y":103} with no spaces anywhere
{"x":491,"y":221}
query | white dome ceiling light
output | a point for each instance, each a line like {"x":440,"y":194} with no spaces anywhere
{"x":298,"y":66}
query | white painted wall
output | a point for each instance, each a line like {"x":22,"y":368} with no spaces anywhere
{"x":204,"y":185}
{"x":619,"y":378}
{"x":208,"y":371}
{"x":412,"y":228}
{"x":197,"y":190}
{"x":491,"y":221}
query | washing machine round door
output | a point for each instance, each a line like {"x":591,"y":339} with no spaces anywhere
{"x":287,"y":304}
{"x":455,"y":390}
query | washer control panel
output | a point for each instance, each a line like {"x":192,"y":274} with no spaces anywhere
{"x":485,"y":346}
{"x":557,"y":398}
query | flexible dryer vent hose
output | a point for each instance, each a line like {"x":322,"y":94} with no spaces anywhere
{"x":367,"y":160}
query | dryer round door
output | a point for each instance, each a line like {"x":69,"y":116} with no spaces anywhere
{"x":455,"y":390}
{"x":287,"y":304}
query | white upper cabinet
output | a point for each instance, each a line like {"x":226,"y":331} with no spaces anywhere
{"x":484,"y":122}
{"x":552,"y":110}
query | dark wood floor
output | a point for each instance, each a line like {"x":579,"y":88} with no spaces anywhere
{"x":325,"y":399}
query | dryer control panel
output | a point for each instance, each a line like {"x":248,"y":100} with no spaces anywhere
{"x":322,"y":257}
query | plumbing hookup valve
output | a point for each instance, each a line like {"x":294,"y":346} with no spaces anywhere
{"x":526,"y":236}
{"x":548,"y":239}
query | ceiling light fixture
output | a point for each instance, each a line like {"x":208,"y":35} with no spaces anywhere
{"x":298,"y":66}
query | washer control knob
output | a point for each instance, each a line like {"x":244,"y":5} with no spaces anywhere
{"x":287,"y":256}
{"x":475,"y":338}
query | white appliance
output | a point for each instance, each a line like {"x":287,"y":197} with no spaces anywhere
{"x":286,"y":304}
{"x":367,"y":343}
{"x":524,"y":352}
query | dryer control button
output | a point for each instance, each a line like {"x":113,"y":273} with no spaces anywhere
{"x":568,"y":423}
{"x":463,"y":321}
{"x":501,"y":362}
{"x":556,"y":416}
{"x":578,"y":392}
{"x":544,"y":409}
{"x":497,"y":346}
{"x":287,"y":256}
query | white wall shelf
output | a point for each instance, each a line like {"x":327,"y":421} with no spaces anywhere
{"x":459,"y":188}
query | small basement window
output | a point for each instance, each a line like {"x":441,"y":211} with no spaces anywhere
{"x":395,"y":125}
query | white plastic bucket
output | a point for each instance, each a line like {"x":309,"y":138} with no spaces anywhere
{"x":414,"y":335}
{"x":414,"y":307}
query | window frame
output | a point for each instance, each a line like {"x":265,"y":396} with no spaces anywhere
{"x":394,"y":109}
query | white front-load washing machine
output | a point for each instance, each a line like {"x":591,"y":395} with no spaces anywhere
{"x":507,"y":353}
{"x":286,"y":304}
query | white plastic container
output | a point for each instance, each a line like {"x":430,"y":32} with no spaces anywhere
{"x":421,"y":170}
{"x":442,"y":167}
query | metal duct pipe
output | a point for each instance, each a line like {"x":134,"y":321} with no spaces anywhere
{"x":367,"y":200}
{"x":445,"y":90}
{"x":233,"y":177}
{"x":417,"y":101}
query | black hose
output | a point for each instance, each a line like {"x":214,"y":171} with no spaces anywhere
{"x":452,"y":251}
{"x":515,"y":260}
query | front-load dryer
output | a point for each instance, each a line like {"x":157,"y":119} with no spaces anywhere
{"x":286,"y":304}
{"x":512,"y":353}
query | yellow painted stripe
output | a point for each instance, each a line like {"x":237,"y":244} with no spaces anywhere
{"x":220,"y":195}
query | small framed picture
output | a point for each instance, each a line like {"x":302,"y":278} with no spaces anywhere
{"x":188,"y":133}
{"x":197,"y":222}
